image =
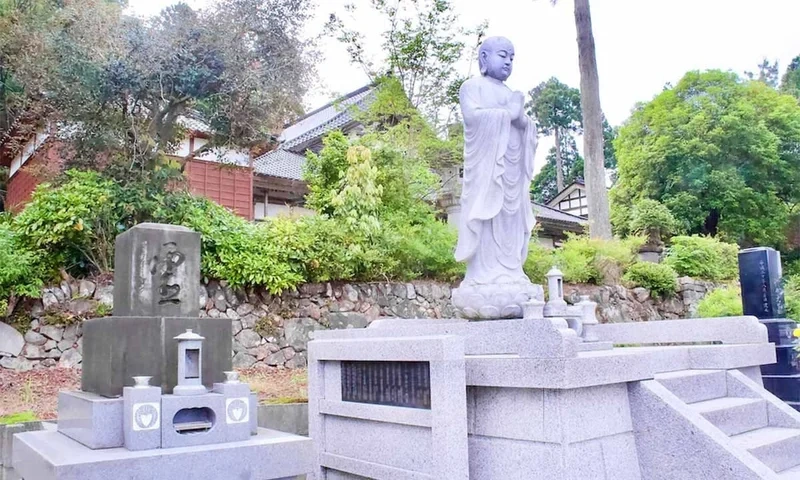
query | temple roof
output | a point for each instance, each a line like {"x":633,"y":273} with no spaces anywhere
{"x":280,"y":163}
{"x":543,"y":212}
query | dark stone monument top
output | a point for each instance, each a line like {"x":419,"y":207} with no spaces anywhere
{"x":761,"y":279}
{"x":157,"y":271}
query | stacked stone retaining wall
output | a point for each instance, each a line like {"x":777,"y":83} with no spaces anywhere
{"x":275,"y":329}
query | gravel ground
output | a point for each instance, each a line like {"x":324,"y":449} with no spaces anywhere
{"x":37,"y":390}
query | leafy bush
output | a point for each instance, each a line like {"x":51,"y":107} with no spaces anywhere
{"x":660,"y":279}
{"x":586,"y":260}
{"x":791,"y":292}
{"x":703,"y":257}
{"x":722,"y":302}
{"x":75,"y":223}
{"x":540,"y":260}
{"x":652,"y":219}
{"x":19,"y":274}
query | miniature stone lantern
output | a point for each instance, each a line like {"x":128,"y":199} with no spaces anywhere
{"x":190,"y":364}
{"x":555,"y":305}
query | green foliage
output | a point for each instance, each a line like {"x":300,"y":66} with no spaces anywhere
{"x":791,"y":292}
{"x":721,"y":302}
{"x":126,"y":85}
{"x":20,"y":417}
{"x":539,"y":261}
{"x":324,"y":172}
{"x":704,"y":258}
{"x":652,"y":219}
{"x":544,"y":185}
{"x":422,"y":247}
{"x":75,"y":223}
{"x":423,"y":45}
{"x":586,"y":260}
{"x":19,"y":273}
{"x":659,"y":278}
{"x":790,"y":83}
{"x":721,"y":153}
{"x":358,"y":199}
{"x":555,"y":105}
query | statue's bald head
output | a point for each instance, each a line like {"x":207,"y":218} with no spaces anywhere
{"x":496,"y":57}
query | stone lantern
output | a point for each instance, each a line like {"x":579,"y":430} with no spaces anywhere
{"x":190,"y":364}
{"x":555,"y":305}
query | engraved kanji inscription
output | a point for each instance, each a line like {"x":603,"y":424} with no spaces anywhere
{"x":165,"y":265}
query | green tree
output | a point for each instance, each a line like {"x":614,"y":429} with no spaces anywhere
{"x":767,"y":73}
{"x":423,"y":45}
{"x":557,"y":109}
{"x":126,"y":86}
{"x":790,"y":82}
{"x":544,"y":185}
{"x":721,"y":153}
{"x":597,"y":196}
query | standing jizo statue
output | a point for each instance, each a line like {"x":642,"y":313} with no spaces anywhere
{"x":496,"y":211}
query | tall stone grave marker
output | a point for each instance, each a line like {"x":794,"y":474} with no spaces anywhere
{"x":760,"y":276}
{"x":155,"y":299}
{"x":155,"y":271}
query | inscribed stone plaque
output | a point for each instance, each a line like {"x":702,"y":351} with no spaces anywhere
{"x":400,"y":384}
{"x":760,"y":278}
{"x":157,"y":271}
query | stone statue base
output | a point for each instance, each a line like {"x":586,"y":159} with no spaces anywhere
{"x":494,"y":301}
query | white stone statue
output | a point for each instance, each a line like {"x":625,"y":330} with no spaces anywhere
{"x":496,"y":211}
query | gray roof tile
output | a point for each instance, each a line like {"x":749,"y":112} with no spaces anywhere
{"x":545,"y":212}
{"x":325,"y":119}
{"x":280,"y":163}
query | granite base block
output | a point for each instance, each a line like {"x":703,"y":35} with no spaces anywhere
{"x":238,"y":410}
{"x":115,"y":349}
{"x":90,"y":419}
{"x":142,"y":418}
{"x":270,"y":455}
{"x":178,"y":409}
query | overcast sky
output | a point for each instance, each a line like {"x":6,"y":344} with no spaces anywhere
{"x":641,"y":44}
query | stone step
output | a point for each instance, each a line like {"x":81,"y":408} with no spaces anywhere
{"x":791,"y":474}
{"x":778,"y":448}
{"x":693,"y":386}
{"x":734,"y":415}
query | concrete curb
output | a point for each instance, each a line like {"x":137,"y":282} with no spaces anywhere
{"x":289,"y":417}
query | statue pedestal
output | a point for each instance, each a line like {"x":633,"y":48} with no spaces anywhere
{"x":494,"y":301}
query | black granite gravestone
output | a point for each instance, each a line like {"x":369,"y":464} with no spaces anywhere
{"x":762,"y":296}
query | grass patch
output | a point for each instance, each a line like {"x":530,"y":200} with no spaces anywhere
{"x":21,"y":417}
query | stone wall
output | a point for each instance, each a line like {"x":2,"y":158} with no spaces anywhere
{"x":274,"y":329}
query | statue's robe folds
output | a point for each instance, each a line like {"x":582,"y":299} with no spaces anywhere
{"x":496,"y":211}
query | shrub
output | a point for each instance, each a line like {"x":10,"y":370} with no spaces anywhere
{"x":422,"y":248}
{"x":703,"y":257}
{"x":791,"y":292}
{"x":540,"y":260}
{"x":652,"y":219}
{"x":660,"y":279}
{"x":722,"y":302}
{"x":586,"y":260}
{"x":19,"y":273}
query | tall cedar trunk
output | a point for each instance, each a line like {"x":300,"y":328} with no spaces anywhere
{"x":559,"y":162}
{"x":597,"y":196}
